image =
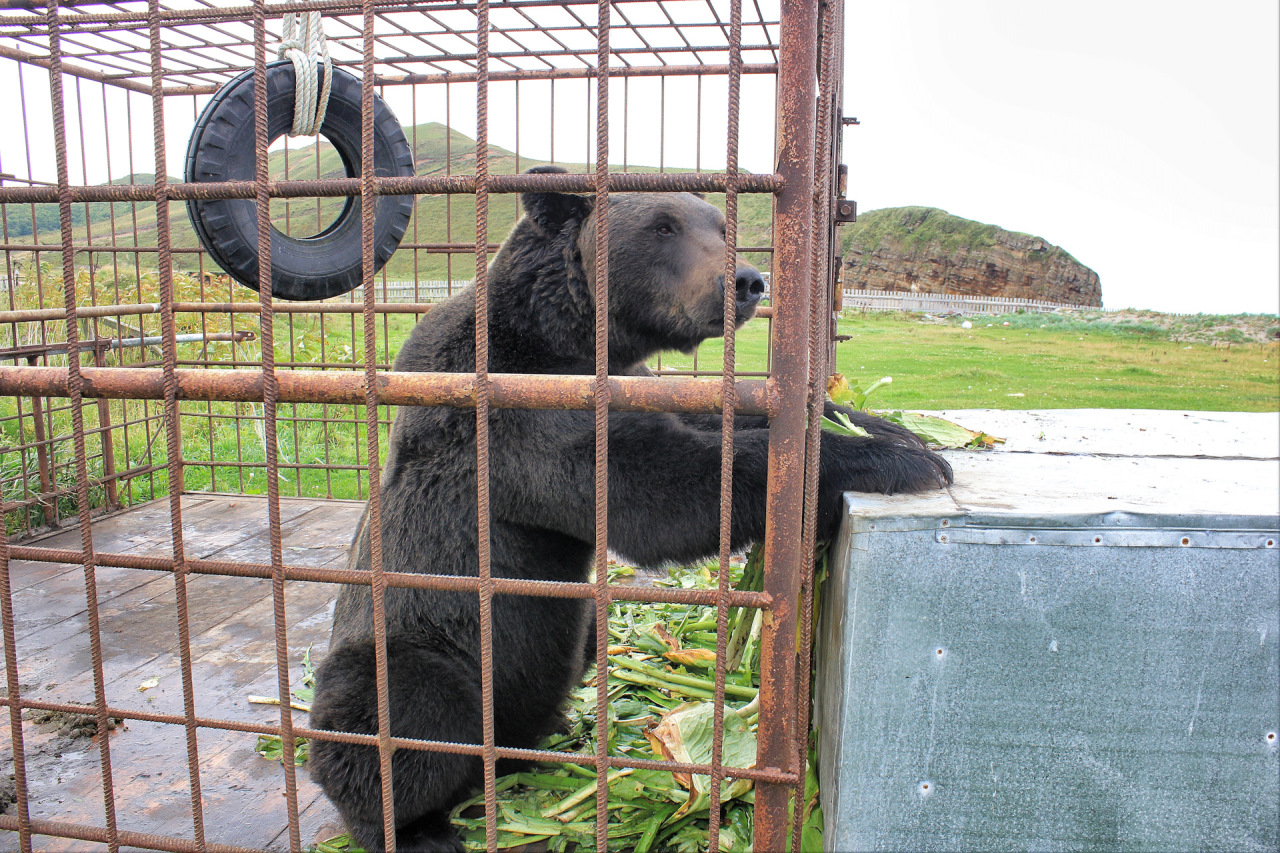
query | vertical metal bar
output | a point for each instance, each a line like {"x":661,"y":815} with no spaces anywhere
{"x":77,"y":419}
{"x":488,"y":735}
{"x":270,"y":394}
{"x":104,"y":409}
{"x":728,"y":391}
{"x":601,"y":395}
{"x":14,"y":692}
{"x":368,"y":209}
{"x":48,"y":501}
{"x":173,"y":429}
{"x":784,"y":555}
{"x":108,"y":444}
{"x":819,"y":328}
{"x":448,"y":170}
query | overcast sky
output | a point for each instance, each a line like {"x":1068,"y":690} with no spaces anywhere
{"x":1141,"y":136}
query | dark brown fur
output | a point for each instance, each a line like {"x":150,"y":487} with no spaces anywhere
{"x":666,"y":261}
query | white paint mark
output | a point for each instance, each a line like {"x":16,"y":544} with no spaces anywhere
{"x":1053,"y":647}
{"x":1213,"y":641}
{"x":1022,"y":576}
{"x":925,"y":788}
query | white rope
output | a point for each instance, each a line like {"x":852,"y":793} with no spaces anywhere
{"x":303,"y":43}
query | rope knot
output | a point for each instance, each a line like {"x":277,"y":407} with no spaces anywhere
{"x":303,"y":43}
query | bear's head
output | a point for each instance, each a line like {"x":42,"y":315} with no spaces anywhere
{"x":666,"y":266}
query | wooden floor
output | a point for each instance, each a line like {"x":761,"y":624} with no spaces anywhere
{"x":233,"y":652}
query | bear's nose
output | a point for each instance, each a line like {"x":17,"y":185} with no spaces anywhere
{"x":750,"y":285}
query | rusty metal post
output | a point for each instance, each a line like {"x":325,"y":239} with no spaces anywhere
{"x":108,"y":444}
{"x":784,"y":557}
{"x":47,"y":503}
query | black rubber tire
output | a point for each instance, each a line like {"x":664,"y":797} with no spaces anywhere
{"x":222,"y":149}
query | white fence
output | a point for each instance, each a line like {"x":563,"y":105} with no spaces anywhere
{"x":854,"y":300}
{"x":949,"y":303}
{"x":409,"y":291}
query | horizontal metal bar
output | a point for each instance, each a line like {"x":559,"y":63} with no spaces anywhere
{"x":141,"y":840}
{"x":523,"y":74}
{"x":104,"y":249}
{"x":407,"y":580}
{"x":221,"y":14}
{"x":712,"y":182}
{"x":71,"y":68}
{"x":94,"y":482}
{"x":578,"y":73}
{"x":120,"y":343}
{"x":508,"y":390}
{"x":36,"y":315}
{"x":581,"y":758}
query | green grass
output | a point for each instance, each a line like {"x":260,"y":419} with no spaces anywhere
{"x":1071,"y":363}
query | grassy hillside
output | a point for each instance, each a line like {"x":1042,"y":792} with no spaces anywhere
{"x":437,"y":219}
{"x":914,"y":231}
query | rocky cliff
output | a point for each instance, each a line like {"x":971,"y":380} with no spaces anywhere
{"x":926,"y":250}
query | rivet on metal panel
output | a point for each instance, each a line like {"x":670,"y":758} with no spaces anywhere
{"x":943,"y":538}
{"x":946,"y":522}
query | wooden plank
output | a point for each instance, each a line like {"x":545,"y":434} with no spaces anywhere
{"x":58,"y":604}
{"x":241,"y":790}
{"x":135,"y":530}
{"x":233,"y":647}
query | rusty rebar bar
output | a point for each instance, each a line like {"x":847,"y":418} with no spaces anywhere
{"x":784,"y":557}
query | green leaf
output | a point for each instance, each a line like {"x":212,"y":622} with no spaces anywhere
{"x":840,"y":424}
{"x":686,"y":735}
{"x":842,"y":393}
{"x":941,"y":432}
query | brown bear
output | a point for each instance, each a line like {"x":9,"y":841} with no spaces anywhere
{"x":666,"y":280}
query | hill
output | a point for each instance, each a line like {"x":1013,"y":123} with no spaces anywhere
{"x":437,"y":219}
{"x":926,"y":250}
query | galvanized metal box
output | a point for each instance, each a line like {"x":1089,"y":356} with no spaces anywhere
{"x":1077,"y":647}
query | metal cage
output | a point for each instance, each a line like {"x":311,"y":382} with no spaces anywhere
{"x":133,"y":371}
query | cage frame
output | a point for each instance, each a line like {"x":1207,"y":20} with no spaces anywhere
{"x":804,"y":278}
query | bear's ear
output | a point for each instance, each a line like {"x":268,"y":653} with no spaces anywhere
{"x":553,"y":210}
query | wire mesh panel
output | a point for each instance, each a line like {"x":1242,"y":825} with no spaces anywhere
{"x":140,"y":377}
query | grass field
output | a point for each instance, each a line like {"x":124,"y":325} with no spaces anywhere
{"x":1035,"y":362}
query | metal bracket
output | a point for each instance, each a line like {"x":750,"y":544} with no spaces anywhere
{"x":1111,"y":530}
{"x":846,"y":210}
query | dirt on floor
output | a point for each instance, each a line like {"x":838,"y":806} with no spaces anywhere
{"x":58,"y":732}
{"x":71,"y":726}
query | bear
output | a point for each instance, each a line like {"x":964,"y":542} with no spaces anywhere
{"x":666,"y":292}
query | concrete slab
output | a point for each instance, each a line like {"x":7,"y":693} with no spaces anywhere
{"x":1129,"y":432}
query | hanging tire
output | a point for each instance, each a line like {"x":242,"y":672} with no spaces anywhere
{"x":222,"y":149}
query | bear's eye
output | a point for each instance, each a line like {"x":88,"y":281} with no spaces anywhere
{"x":665,"y":230}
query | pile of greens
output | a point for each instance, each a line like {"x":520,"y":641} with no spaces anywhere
{"x":660,"y":686}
